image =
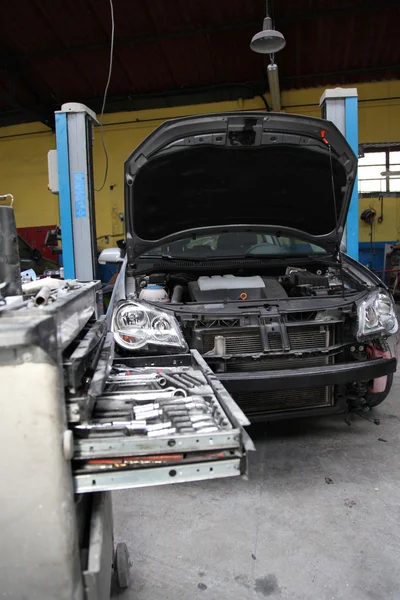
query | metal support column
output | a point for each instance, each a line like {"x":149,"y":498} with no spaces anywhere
{"x":340,"y":106}
{"x":74,"y":134}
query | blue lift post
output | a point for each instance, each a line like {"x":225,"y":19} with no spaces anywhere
{"x":74,"y":139}
{"x":340,"y":105}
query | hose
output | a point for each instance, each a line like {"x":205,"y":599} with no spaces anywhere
{"x":177,"y":294}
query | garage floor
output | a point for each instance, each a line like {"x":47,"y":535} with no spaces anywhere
{"x":319,"y":519}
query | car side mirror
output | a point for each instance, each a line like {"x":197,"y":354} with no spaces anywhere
{"x":110,"y":256}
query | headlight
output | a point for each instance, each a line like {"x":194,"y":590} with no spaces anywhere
{"x":139,"y":327}
{"x":376,"y":316}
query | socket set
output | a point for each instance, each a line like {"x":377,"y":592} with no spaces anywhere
{"x":157,"y":402}
{"x":172,"y":411}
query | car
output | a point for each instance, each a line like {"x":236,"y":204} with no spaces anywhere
{"x":234,"y":232}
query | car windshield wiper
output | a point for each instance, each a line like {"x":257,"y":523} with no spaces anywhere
{"x":177,"y":258}
{"x":275,"y":257}
{"x":284,"y":257}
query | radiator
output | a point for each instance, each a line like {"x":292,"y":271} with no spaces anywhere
{"x":238,"y":341}
{"x":248,"y":340}
{"x":270,"y":363}
{"x":259,"y":404}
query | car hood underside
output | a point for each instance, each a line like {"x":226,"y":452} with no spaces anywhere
{"x":239,"y":172}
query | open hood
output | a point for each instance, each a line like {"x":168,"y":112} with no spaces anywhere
{"x":239,"y":171}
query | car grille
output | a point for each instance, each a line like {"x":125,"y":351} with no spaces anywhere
{"x":259,"y":404}
{"x":275,"y":341}
{"x":303,"y":338}
{"x":308,"y":337}
{"x":248,"y":340}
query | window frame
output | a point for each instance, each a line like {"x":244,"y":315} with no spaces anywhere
{"x":382,"y":147}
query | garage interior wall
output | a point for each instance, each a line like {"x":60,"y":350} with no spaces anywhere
{"x":23,"y":154}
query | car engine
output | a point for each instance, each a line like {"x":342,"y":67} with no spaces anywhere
{"x":294,"y":282}
{"x":219,"y":288}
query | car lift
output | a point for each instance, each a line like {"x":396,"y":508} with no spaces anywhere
{"x":74,"y":136}
{"x":340,"y":105}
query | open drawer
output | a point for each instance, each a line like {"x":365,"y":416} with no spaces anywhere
{"x":163,"y":419}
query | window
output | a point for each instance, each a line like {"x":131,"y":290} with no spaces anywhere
{"x":375,"y":161}
{"x":234,"y":245}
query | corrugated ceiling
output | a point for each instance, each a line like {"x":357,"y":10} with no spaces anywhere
{"x":174,"y":52}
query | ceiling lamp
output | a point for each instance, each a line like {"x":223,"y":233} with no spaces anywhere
{"x":268,"y":41}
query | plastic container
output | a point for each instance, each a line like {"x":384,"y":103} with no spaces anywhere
{"x":154,"y":293}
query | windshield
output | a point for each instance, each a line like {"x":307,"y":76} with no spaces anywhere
{"x":233,"y":245}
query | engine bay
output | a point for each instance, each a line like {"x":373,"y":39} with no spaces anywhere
{"x":292,"y":282}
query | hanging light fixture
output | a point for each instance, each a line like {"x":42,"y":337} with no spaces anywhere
{"x":267,"y":41}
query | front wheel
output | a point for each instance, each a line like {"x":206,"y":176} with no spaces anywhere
{"x":374,"y":400}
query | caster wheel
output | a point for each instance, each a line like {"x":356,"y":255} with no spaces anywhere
{"x":122,"y":565}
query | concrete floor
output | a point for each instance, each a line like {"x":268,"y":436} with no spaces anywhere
{"x":286,"y":533}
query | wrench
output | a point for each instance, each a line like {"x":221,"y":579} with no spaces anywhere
{"x":138,"y":379}
{"x":150,"y":395}
{"x":125,"y":425}
{"x":173,"y":406}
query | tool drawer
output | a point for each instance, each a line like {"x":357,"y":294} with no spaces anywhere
{"x":159,"y":420}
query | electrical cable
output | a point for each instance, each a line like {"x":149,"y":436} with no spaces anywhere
{"x":336,"y":218}
{"x":105,"y":96}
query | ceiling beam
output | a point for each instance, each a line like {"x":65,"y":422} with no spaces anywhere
{"x":33,"y":113}
{"x":144,"y":39}
{"x":181,"y":97}
{"x":346,"y":72}
{"x":364,"y":7}
{"x":38,"y":110}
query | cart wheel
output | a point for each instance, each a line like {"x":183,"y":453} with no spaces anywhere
{"x":122,"y":565}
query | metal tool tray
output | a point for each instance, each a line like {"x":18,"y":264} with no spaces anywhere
{"x":202,"y":455}
{"x":86,"y":368}
{"x":69,"y":313}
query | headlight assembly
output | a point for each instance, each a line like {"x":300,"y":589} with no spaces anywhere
{"x":140,"y":327}
{"x":376,"y":316}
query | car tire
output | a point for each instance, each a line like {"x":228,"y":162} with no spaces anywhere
{"x":374,"y":400}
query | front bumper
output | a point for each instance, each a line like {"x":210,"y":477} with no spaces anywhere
{"x":310,"y":377}
{"x":296,"y":393}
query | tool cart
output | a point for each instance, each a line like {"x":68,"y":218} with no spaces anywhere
{"x":78,"y":422}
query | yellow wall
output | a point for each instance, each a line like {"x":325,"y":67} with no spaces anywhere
{"x":23,"y":154}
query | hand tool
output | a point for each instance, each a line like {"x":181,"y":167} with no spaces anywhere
{"x":150,"y":395}
{"x":138,"y":379}
{"x":161,"y":432}
{"x":149,"y":414}
{"x":159,"y":426}
{"x":114,"y":426}
{"x":166,"y":405}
